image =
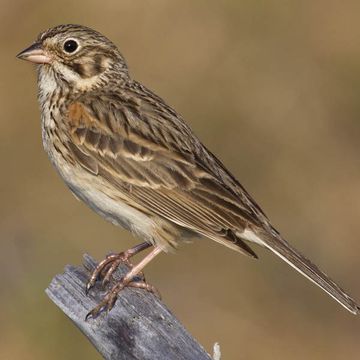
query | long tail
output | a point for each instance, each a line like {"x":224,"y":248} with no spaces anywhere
{"x":286,"y":252}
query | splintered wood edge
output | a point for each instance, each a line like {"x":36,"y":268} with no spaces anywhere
{"x":139,"y":326}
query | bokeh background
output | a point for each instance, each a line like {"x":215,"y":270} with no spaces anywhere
{"x":271,"y":87}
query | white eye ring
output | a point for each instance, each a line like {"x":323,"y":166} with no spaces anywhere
{"x":71,"y":46}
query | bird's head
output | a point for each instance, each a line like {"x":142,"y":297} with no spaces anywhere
{"x":75,"y":55}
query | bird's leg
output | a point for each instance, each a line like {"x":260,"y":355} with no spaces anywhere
{"x":128,"y":280}
{"x":107,"y":267}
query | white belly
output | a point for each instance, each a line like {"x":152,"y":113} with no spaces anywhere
{"x":97,"y":194}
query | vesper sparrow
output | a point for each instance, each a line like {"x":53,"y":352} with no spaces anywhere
{"x":128,"y":155}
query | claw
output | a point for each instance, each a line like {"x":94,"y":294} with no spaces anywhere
{"x":110,"y":298}
{"x":96,"y":311}
{"x":88,"y":287}
{"x":108,"y":302}
{"x":108,"y":266}
{"x":129,"y":279}
{"x":98,"y":270}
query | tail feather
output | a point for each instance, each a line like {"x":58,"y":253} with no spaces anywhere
{"x":290,"y":255}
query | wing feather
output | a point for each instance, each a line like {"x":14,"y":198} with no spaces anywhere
{"x":156,"y":161}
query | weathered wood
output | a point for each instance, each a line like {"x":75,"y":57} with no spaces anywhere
{"x":138,"y":327}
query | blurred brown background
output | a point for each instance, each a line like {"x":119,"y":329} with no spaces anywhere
{"x":273,"y":89}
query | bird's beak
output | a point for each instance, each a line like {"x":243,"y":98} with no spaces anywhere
{"x":35,"y":54}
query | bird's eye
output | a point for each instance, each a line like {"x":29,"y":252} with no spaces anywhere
{"x":70,"y":46}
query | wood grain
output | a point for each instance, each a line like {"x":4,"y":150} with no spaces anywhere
{"x":139,"y":326}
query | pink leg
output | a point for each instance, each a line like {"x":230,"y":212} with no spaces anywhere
{"x":110,"y":298}
{"x":107,"y":267}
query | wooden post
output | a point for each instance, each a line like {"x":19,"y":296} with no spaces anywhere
{"x":138,"y":327}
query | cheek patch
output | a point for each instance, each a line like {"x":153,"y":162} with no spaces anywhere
{"x":88,"y":67}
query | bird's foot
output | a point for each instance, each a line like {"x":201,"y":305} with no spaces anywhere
{"x":131,"y":279}
{"x":110,"y":298}
{"x":105,"y":269}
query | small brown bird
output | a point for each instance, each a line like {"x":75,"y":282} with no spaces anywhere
{"x":128,"y":155}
